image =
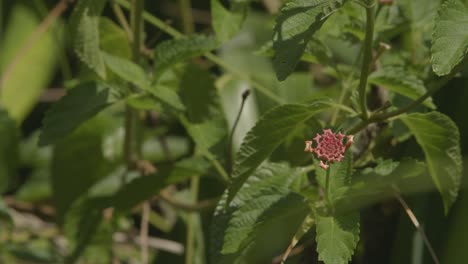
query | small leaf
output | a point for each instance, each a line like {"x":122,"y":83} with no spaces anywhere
{"x":450,"y":36}
{"x":269,"y":132}
{"x":127,"y":70}
{"x":401,"y":82}
{"x":113,"y":39}
{"x":439,"y":138}
{"x":227,"y":23}
{"x":171,"y":52}
{"x":9,"y":149}
{"x":337,"y":237}
{"x":165,"y":95}
{"x":295,"y":26}
{"x":78,"y":105}
{"x":84,"y":30}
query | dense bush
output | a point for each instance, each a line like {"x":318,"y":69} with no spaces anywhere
{"x":174,"y":131}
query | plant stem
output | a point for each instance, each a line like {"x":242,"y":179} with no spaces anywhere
{"x":191,"y":219}
{"x":366,"y":60}
{"x":215,"y":59}
{"x":186,"y":15}
{"x":327,"y":188}
{"x":245,"y":95}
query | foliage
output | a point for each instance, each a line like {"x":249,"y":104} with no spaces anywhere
{"x":175,"y":136}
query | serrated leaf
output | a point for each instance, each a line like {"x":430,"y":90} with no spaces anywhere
{"x":171,"y":52}
{"x":251,"y":204}
{"x":166,"y":95}
{"x":263,"y":204}
{"x":78,"y":105}
{"x":340,"y":176}
{"x":204,"y":117}
{"x":295,"y":26}
{"x":9,"y":149}
{"x":337,"y":237}
{"x":267,"y":134}
{"x":227,"y":22}
{"x":399,"y":81}
{"x":450,"y":36}
{"x":439,"y":138}
{"x":84,"y":25}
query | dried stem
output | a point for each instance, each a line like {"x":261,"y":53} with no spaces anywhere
{"x":416,"y":224}
{"x":245,"y":95}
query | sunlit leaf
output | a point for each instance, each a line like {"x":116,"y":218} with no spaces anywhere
{"x":227,"y":22}
{"x":439,"y":138}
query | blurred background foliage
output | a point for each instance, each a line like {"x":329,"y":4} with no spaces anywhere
{"x":75,"y":201}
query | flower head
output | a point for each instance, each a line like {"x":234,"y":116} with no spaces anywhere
{"x":330,"y":147}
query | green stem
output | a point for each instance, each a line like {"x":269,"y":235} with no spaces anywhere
{"x":186,"y":16}
{"x":132,"y":146}
{"x":327,"y":188}
{"x":366,"y":60}
{"x":215,"y":59}
{"x":191,"y":222}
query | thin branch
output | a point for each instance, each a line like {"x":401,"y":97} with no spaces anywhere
{"x":41,"y":29}
{"x":144,"y":227}
{"x":245,"y":95}
{"x":416,"y":224}
{"x":195,"y":207}
{"x":122,"y":20}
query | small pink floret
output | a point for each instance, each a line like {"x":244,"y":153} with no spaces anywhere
{"x":330,"y":147}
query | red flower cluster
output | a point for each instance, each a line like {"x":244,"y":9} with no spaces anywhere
{"x":330,"y":147}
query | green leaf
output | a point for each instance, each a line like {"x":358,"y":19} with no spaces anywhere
{"x":204,"y":118}
{"x":78,"y":162}
{"x":450,"y":36}
{"x":33,"y":69}
{"x":340,"y":176}
{"x":78,"y":105}
{"x":127,"y":70}
{"x":439,"y":138}
{"x":113,"y":39}
{"x":295,"y":26}
{"x":337,"y":237}
{"x":134,"y":74}
{"x":267,"y":134}
{"x":399,"y":81}
{"x":251,"y":204}
{"x":84,"y":25}
{"x":9,"y":150}
{"x":227,"y":23}
{"x":262,"y":206}
{"x":170,"y":52}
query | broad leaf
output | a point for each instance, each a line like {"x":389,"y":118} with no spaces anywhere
{"x":401,"y":82}
{"x":113,"y":39}
{"x":227,"y":22}
{"x":78,"y":162}
{"x":269,"y":132}
{"x":439,"y":138}
{"x":204,"y":118}
{"x":256,"y":216}
{"x":78,"y":105}
{"x":295,"y":26}
{"x":9,"y":149}
{"x":171,"y":52}
{"x":85,"y":32}
{"x":24,"y":76}
{"x":337,"y":237}
{"x":450,"y":37}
